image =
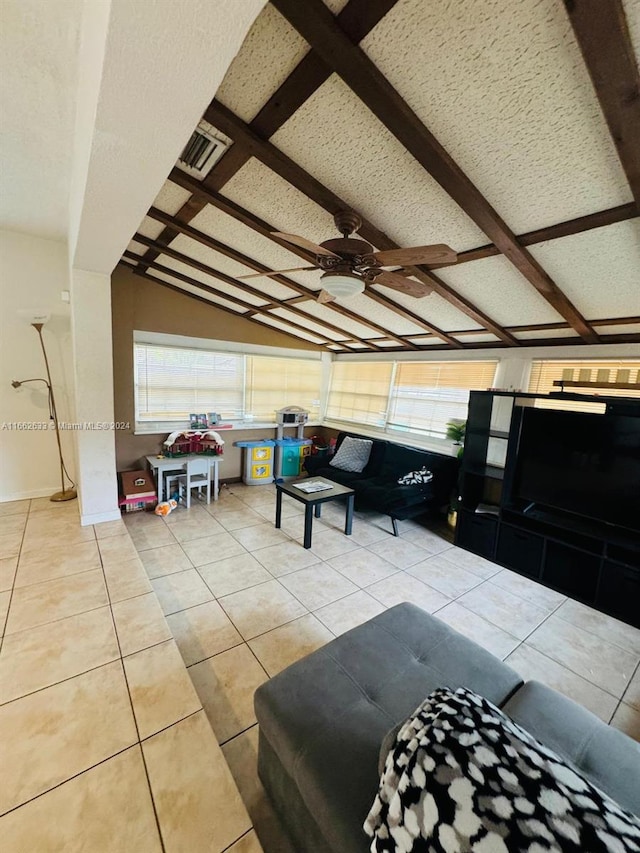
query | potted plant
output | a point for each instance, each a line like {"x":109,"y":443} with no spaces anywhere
{"x":456,"y":429}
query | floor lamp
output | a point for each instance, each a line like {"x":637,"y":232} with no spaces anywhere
{"x":67,"y":493}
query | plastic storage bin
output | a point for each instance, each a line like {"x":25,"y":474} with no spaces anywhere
{"x":258,"y":461}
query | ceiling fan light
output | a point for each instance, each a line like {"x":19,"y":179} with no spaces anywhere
{"x":342,"y":284}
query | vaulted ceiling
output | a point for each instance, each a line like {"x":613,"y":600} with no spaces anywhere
{"x":509,"y":131}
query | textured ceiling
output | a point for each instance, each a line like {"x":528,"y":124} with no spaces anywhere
{"x":504,"y":88}
{"x":38,"y":77}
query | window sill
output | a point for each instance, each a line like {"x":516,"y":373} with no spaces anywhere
{"x":409,"y":439}
{"x":235,"y":425}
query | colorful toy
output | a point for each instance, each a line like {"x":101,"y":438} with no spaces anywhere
{"x":165,"y":507}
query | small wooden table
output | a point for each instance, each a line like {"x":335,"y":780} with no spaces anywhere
{"x":313,"y":503}
{"x":160,"y":464}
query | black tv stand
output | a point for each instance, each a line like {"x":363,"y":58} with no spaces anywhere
{"x":594,"y":562}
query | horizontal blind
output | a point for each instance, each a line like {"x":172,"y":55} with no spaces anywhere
{"x":173,"y":382}
{"x":545,"y":372}
{"x":427,"y":394}
{"x":273,"y":383}
{"x":359,"y":392}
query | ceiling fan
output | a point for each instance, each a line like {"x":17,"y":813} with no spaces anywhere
{"x":349,"y":263}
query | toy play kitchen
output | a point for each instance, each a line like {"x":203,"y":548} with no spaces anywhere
{"x":291,"y":452}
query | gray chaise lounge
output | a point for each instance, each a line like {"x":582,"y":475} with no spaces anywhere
{"x":324,"y":719}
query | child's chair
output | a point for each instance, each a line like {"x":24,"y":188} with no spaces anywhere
{"x":197,"y":476}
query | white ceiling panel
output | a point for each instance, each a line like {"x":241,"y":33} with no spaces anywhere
{"x":215,"y":300}
{"x":351,"y":327}
{"x":211,"y":281}
{"x":136,"y":248}
{"x":171,"y":198}
{"x":336,"y":5}
{"x":497,"y":288}
{"x":598,"y":270}
{"x":270,"y":52}
{"x":632,"y":11}
{"x":385,"y":317}
{"x":433,"y":308}
{"x":426,"y":342}
{"x":268,"y":320}
{"x":313,"y":327}
{"x":546,"y":333}
{"x":273,"y":199}
{"x":150,"y":228}
{"x":505,"y":90}
{"x":201,"y":253}
{"x":474,"y":339}
{"x":233,"y":233}
{"x":335,"y":137}
{"x":627,"y":329}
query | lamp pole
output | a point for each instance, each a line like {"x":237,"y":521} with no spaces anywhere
{"x":65,"y":494}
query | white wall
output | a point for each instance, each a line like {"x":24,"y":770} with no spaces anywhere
{"x":93,"y":370}
{"x":33,"y":273}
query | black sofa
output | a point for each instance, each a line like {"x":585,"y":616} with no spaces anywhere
{"x":377,"y":486}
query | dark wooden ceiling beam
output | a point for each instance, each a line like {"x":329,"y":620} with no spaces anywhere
{"x":242,"y":285}
{"x":298,"y":177}
{"x":600,"y":219}
{"x":357,"y":19}
{"x":261,"y":227}
{"x":601,"y":28}
{"x":318,"y":27}
{"x":250,"y":308}
{"x":177,"y":289}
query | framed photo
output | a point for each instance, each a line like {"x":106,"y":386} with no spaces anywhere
{"x":198,"y":421}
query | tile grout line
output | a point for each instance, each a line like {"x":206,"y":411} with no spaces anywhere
{"x":133,"y":713}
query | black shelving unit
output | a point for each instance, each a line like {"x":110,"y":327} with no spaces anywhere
{"x":598,"y":564}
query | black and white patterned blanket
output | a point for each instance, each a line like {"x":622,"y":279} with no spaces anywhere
{"x":464,"y":777}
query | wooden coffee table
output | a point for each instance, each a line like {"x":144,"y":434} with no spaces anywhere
{"x":313,"y":503}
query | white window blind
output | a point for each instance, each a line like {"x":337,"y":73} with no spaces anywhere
{"x":427,"y":394}
{"x":273,"y":383}
{"x":544,"y":373}
{"x":359,"y":392}
{"x":172,"y":382}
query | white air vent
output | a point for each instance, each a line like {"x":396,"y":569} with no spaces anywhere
{"x":205,"y":147}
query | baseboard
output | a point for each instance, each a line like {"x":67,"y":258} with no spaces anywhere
{"x":32,"y":493}
{"x":99,"y":517}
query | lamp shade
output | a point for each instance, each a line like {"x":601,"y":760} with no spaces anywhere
{"x":342,"y":284}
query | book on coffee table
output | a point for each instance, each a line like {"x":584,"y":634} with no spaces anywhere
{"x":313,"y":486}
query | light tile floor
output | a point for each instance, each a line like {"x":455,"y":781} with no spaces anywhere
{"x":104,"y":743}
{"x":245,"y":601}
{"x":241,"y":601}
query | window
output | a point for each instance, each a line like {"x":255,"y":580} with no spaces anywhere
{"x":544,"y":373}
{"x":273,"y":383}
{"x":359,"y":392}
{"x":427,"y":394}
{"x":172,"y":382}
{"x":408,"y":396}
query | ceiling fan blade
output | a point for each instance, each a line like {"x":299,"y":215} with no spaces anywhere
{"x":274,"y":272}
{"x":324,"y":296}
{"x":439,"y":253}
{"x":304,"y":244}
{"x":404,"y":285}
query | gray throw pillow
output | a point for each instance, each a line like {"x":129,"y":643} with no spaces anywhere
{"x":353,"y":454}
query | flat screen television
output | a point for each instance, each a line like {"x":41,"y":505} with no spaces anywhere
{"x":585,"y":464}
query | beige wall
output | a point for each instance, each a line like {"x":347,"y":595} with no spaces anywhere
{"x":140,"y":304}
